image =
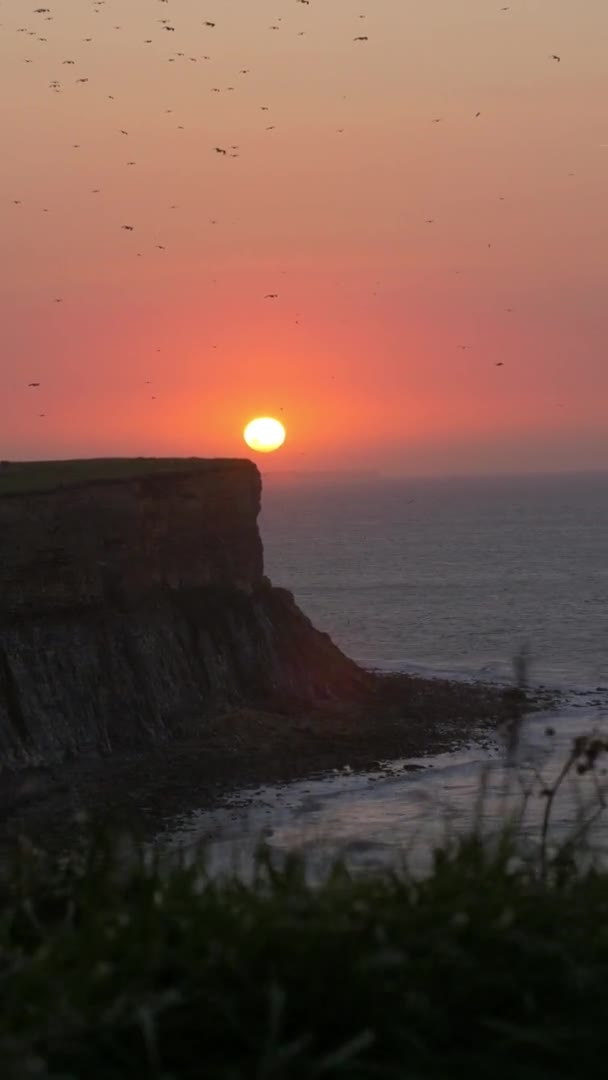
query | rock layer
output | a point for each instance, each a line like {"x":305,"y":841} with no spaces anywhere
{"x":133,"y":609}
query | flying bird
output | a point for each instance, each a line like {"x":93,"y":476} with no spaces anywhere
{"x":129,"y":228}
{"x":33,"y":384}
{"x":219,"y":150}
{"x":554,"y":56}
{"x":362,"y":37}
{"x":271,"y":296}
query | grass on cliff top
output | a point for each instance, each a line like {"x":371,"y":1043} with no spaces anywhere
{"x":17,"y":477}
{"x":115,"y":965}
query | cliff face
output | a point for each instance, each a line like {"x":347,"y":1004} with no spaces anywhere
{"x":118,"y":540}
{"x":133,"y":608}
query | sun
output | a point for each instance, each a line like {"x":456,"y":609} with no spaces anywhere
{"x":264,"y":434}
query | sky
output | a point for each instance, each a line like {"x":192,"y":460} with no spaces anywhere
{"x":441,"y":277}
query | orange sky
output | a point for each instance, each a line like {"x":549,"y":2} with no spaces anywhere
{"x":359,"y":355}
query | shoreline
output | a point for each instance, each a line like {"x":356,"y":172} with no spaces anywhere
{"x":397,"y":716}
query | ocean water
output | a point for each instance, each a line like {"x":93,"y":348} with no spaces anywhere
{"x":441,"y":577}
{"x":450,"y":575}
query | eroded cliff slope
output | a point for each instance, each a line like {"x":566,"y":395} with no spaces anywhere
{"x":133,"y":606}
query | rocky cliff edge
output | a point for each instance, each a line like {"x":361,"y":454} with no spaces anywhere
{"x":134,"y":607}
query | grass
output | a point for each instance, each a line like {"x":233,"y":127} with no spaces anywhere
{"x":19,"y":477}
{"x":115,"y":965}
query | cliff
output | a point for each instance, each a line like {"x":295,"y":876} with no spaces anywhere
{"x":133,"y":607}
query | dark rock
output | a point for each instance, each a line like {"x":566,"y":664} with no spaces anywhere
{"x":132,"y":610}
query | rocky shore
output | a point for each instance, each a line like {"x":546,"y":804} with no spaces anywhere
{"x":393,"y":716}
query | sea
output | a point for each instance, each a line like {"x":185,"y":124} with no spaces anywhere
{"x":442,"y":577}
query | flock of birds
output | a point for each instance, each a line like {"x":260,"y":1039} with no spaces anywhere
{"x":230,"y":150}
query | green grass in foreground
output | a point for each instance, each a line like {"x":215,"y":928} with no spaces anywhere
{"x":487,"y":968}
{"x":23,"y":476}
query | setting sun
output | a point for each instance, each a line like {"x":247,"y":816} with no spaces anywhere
{"x":264,"y":434}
